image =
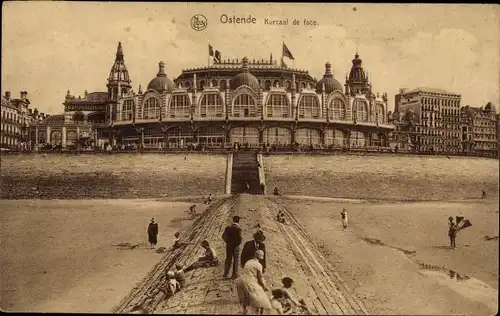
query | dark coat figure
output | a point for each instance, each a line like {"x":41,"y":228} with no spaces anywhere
{"x":153,"y":233}
{"x":452,"y":232}
{"x":252,"y":246}
{"x":233,"y":239}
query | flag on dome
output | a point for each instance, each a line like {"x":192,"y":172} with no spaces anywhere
{"x":210,"y":50}
{"x":286,"y":52}
{"x":217,"y":57}
{"x":283,"y":65}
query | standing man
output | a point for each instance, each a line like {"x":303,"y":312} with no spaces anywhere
{"x":153,"y":233}
{"x":252,"y":246}
{"x":452,"y":232}
{"x":232,"y":237}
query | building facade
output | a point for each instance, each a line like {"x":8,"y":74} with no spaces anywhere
{"x":234,"y":101}
{"x":479,"y":130}
{"x":16,"y":117}
{"x":428,"y":120}
{"x":250,"y":102}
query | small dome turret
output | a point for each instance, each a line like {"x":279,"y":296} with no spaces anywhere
{"x":245,"y":78}
{"x":161,"y":82}
{"x":329,"y":83}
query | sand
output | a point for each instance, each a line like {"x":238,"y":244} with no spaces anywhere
{"x":61,"y":256}
{"x":386,"y":177}
{"x":111,"y":176}
{"x":390,"y":281}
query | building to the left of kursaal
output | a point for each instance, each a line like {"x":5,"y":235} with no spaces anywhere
{"x":16,"y":117}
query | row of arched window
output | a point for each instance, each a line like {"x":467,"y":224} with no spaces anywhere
{"x":245,"y":105}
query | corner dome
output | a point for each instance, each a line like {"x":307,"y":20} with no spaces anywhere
{"x":330,"y":83}
{"x":245,"y":78}
{"x":161,"y":82}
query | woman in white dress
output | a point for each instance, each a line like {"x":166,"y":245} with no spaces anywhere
{"x":251,"y":286}
{"x":344,"y":218}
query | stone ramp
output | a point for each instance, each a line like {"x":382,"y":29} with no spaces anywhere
{"x":289,"y":253}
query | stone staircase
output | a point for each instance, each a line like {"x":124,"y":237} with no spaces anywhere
{"x":245,"y":168}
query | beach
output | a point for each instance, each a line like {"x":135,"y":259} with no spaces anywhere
{"x":65,"y":256}
{"x":396,"y":256}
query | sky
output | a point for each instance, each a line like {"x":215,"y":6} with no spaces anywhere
{"x":51,"y":47}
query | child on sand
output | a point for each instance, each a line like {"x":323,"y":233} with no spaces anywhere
{"x":289,"y":299}
{"x":172,"y":285}
{"x":179,"y":275}
{"x":276,"y":302}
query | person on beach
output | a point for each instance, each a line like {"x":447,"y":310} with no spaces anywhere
{"x":251,"y":286}
{"x":177,"y":240}
{"x":153,"y":233}
{"x":289,"y":302}
{"x":276,"y":302}
{"x":172,"y":285}
{"x":452,"y":232}
{"x":251,"y":247}
{"x":232,"y":238}
{"x":343,"y":214}
{"x":179,"y":275}
{"x":208,"y":259}
{"x":248,"y":186}
{"x":484,"y":195}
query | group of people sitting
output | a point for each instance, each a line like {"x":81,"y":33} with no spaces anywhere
{"x":175,"y":280}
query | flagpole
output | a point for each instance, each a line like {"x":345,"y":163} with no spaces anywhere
{"x":209,"y":55}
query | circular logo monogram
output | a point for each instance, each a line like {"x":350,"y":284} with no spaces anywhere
{"x":199,"y":22}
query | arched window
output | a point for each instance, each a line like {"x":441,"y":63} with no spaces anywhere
{"x":335,"y":137}
{"x":78,"y":117}
{"x":151,"y":109}
{"x":211,"y":105}
{"x":179,"y":106}
{"x":127,"y":109}
{"x":309,"y":107}
{"x":358,"y":139}
{"x":361,"y":109}
{"x":71,"y":137}
{"x":337,"y":109}
{"x":244,"y":106}
{"x":306,"y":136}
{"x":278,"y":106}
{"x":380,"y":113}
{"x":277,"y":136}
{"x":56,"y":138}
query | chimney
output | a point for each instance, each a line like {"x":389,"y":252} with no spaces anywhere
{"x":30,"y":111}
{"x":7,"y":95}
{"x":35,"y":111}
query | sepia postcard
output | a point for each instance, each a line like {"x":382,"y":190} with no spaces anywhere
{"x":249,"y":158}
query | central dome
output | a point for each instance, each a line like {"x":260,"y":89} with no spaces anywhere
{"x":330,"y":83}
{"x":161,"y":82}
{"x":245,"y":78}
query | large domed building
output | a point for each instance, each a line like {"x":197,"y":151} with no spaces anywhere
{"x":244,"y":101}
